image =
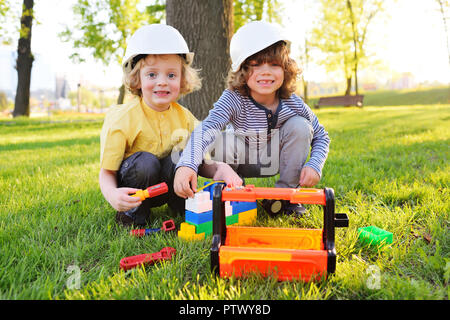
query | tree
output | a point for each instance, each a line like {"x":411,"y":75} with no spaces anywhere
{"x":207,"y":27}
{"x":24,"y":61}
{"x":104,"y":26}
{"x":341,"y":33}
{"x":4,"y":11}
{"x":251,"y":10}
{"x":3,"y":101}
{"x":444,"y":6}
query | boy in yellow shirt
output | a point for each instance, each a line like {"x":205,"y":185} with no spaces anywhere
{"x":141,"y":140}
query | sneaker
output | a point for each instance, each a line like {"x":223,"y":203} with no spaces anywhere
{"x":133,"y":217}
{"x":296,"y":209}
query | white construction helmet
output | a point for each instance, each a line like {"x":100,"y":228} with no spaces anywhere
{"x":155,"y":39}
{"x":252,"y":38}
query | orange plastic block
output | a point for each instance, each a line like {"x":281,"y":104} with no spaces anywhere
{"x":284,"y":264}
{"x":282,"y":238}
{"x":252,"y":193}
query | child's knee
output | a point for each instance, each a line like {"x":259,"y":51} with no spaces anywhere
{"x":297,"y":127}
{"x":139,"y":169}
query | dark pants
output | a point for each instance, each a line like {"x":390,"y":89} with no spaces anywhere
{"x":142,"y":170}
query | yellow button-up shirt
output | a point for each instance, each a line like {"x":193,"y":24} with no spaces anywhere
{"x":134,"y":127}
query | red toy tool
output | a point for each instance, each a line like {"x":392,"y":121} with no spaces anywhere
{"x":151,"y":191}
{"x":167,"y":226}
{"x":147,"y":258}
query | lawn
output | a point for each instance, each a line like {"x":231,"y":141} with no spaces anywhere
{"x":388,"y":166}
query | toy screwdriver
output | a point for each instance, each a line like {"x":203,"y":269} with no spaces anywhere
{"x":151,"y":191}
{"x":168,"y":225}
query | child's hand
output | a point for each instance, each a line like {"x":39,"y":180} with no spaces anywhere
{"x":226,"y":173}
{"x":308,"y":177}
{"x":185,"y":179}
{"x":120,"y":199}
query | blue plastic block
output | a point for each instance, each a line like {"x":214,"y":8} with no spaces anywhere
{"x":241,"y":206}
{"x":198,"y":218}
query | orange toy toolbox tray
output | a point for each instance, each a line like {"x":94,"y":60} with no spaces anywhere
{"x":286,"y":253}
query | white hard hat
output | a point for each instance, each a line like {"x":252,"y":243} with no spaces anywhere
{"x":252,"y":38}
{"x":155,"y":39}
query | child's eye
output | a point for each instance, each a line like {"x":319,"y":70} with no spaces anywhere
{"x":151,"y":75}
{"x":171,"y":75}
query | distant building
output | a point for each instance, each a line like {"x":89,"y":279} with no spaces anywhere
{"x":403,"y":81}
{"x":42,"y":75}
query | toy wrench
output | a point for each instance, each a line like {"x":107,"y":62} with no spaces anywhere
{"x":147,"y":258}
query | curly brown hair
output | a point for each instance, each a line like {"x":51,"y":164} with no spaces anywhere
{"x":190,"y":79}
{"x":278,"y":52}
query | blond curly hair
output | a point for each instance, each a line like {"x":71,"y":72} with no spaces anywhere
{"x":190,"y":78}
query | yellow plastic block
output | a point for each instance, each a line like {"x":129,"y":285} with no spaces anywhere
{"x":247,"y":217}
{"x":187,"y":232}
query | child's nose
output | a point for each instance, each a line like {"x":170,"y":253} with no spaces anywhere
{"x":162,"y":81}
{"x":266,"y":68}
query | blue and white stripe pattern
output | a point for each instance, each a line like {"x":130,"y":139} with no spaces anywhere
{"x":247,"y":117}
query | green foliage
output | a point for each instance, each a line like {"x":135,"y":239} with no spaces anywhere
{"x":3,"y":101}
{"x":104,"y":26}
{"x":388,"y":166}
{"x":251,"y":10}
{"x":333,"y":33}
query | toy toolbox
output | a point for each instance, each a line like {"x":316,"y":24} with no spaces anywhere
{"x":287,"y":253}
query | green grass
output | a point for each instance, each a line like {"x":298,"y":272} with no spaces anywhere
{"x":388,"y":166}
{"x":380,"y":98}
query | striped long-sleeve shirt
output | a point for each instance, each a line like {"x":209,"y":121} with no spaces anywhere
{"x":245,"y":115}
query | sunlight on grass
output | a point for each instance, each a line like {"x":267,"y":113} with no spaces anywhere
{"x":388,"y":167}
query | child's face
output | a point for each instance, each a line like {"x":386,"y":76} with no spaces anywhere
{"x":265,"y":78}
{"x":160,"y":80}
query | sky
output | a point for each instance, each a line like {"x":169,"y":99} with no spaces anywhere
{"x":412,"y":40}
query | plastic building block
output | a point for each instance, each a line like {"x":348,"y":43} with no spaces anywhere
{"x":198,"y":218}
{"x":147,"y":258}
{"x":242,"y":206}
{"x":200,"y":203}
{"x":199,"y":212}
{"x":247,"y":217}
{"x":375,"y":236}
{"x":206,"y":227}
{"x":228,"y":208}
{"x":187,"y":232}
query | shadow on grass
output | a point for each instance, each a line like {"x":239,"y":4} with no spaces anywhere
{"x":49,"y":144}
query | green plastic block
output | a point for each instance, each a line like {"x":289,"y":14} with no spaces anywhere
{"x":374,"y":236}
{"x":206,"y":227}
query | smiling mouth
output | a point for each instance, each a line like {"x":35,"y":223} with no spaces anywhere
{"x":265,"y":81}
{"x":162,"y":93}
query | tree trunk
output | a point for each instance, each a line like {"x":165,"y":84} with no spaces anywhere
{"x":305,"y":91}
{"x":121,"y":94}
{"x":24,"y":62}
{"x":349,"y":86}
{"x":207,"y":27}
{"x":355,"y":45}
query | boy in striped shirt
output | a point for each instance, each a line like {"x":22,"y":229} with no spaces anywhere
{"x":270,"y":129}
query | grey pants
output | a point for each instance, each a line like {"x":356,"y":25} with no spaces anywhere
{"x":285,"y":153}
